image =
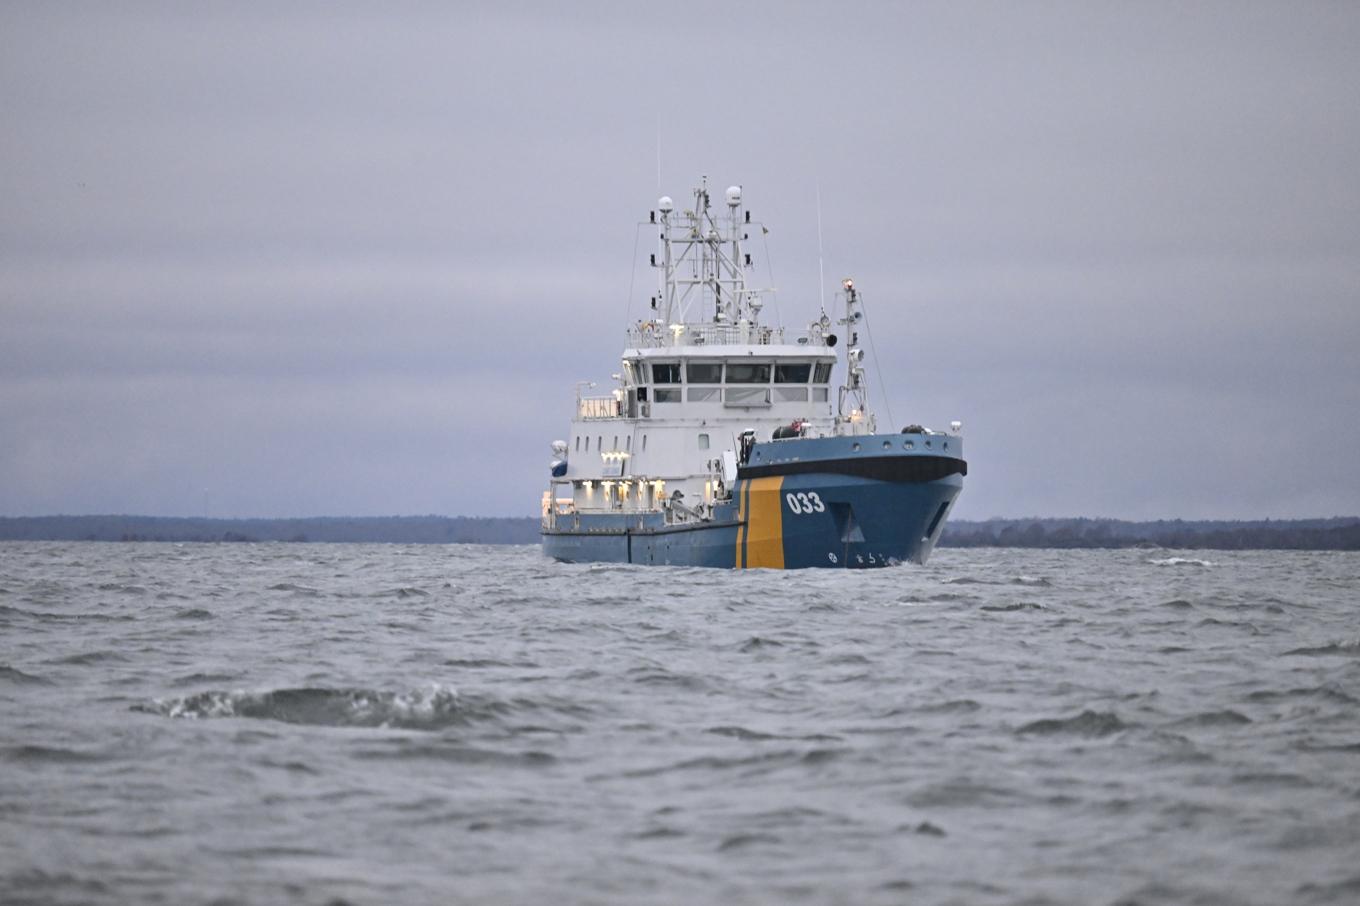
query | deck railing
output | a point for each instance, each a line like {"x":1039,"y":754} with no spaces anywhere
{"x":598,"y":407}
{"x":653,"y":334}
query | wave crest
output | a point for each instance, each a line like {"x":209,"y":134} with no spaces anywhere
{"x":431,"y":708}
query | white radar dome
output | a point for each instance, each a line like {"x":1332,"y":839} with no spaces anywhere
{"x":734,"y":195}
{"x":665,"y":204}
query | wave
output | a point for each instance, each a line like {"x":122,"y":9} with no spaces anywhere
{"x":1087,"y":723}
{"x":757,"y":736}
{"x":1004,"y":608}
{"x":1036,"y":581}
{"x":47,"y":755}
{"x":47,"y":615}
{"x":440,"y":749}
{"x":305,"y":590}
{"x":404,"y":591}
{"x":763,"y":761}
{"x":1326,"y":691}
{"x":18,"y":677}
{"x":1341,"y":649}
{"x":44,"y":886}
{"x":1224,"y":718}
{"x":755,"y":643}
{"x":958,"y":705}
{"x":90,"y":658}
{"x":1179,"y":561}
{"x":741,"y":841}
{"x":432,"y":708}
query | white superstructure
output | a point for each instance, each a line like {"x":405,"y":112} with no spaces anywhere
{"x":701,"y":371}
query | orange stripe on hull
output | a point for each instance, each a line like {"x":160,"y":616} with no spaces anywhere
{"x":739,"y":558}
{"x":764,"y":529}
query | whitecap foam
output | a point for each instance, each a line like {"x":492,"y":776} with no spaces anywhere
{"x":1179,"y":561}
{"x":430,"y":707}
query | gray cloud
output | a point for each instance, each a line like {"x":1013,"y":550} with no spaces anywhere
{"x":324,"y":259}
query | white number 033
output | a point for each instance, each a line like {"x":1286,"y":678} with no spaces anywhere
{"x":805,"y":503}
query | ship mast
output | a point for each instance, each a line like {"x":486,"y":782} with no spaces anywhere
{"x":852,"y":411}
{"x":699,"y":259}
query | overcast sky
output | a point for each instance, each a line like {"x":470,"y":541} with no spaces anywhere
{"x":289,"y":259}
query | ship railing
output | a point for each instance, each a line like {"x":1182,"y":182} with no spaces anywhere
{"x":554,"y":506}
{"x":598,"y":407}
{"x":655,"y":334}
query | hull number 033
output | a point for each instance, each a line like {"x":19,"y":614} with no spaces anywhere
{"x":805,"y":502}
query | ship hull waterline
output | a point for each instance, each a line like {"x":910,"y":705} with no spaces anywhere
{"x":781,"y":521}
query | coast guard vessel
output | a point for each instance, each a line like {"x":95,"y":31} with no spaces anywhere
{"x":725,"y":443}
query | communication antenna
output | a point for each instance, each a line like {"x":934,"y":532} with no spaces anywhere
{"x":821,"y":267}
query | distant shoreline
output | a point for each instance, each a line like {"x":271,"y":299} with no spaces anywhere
{"x":1338,"y":533}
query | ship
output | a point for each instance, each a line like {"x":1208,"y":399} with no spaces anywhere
{"x":725,"y":441}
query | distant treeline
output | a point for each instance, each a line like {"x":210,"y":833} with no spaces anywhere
{"x":1295,"y":534}
{"x":392,"y":529}
{"x":1339,"y":534}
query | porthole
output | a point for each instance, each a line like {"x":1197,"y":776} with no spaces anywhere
{"x":927,"y":445}
{"x":887,"y":445}
{"x":908,"y":445}
{"x":946,"y":445}
{"x":854,"y":448}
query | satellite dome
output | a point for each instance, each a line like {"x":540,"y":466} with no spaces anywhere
{"x":665,"y":204}
{"x":734,"y":195}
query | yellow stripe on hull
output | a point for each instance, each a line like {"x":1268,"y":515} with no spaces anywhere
{"x":739,"y":558}
{"x":761,"y":539}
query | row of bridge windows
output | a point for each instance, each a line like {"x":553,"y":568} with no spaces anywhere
{"x":736,"y":372}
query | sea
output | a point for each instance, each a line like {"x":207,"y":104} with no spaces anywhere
{"x":374,"y":724}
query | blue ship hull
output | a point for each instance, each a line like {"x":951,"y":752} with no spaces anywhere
{"x":841,"y":502}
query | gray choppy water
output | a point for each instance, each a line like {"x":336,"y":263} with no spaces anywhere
{"x":375,"y":724}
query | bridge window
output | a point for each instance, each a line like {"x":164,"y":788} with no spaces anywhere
{"x":823,"y":373}
{"x":578,"y":443}
{"x":748,"y":373}
{"x":665,"y":373}
{"x":704,"y":372}
{"x":791,"y":394}
{"x":792,"y":373}
{"x":703,"y":441}
{"x":703,"y":394}
{"x":747,"y":396}
{"x":819,"y":394}
{"x":667,"y":396}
